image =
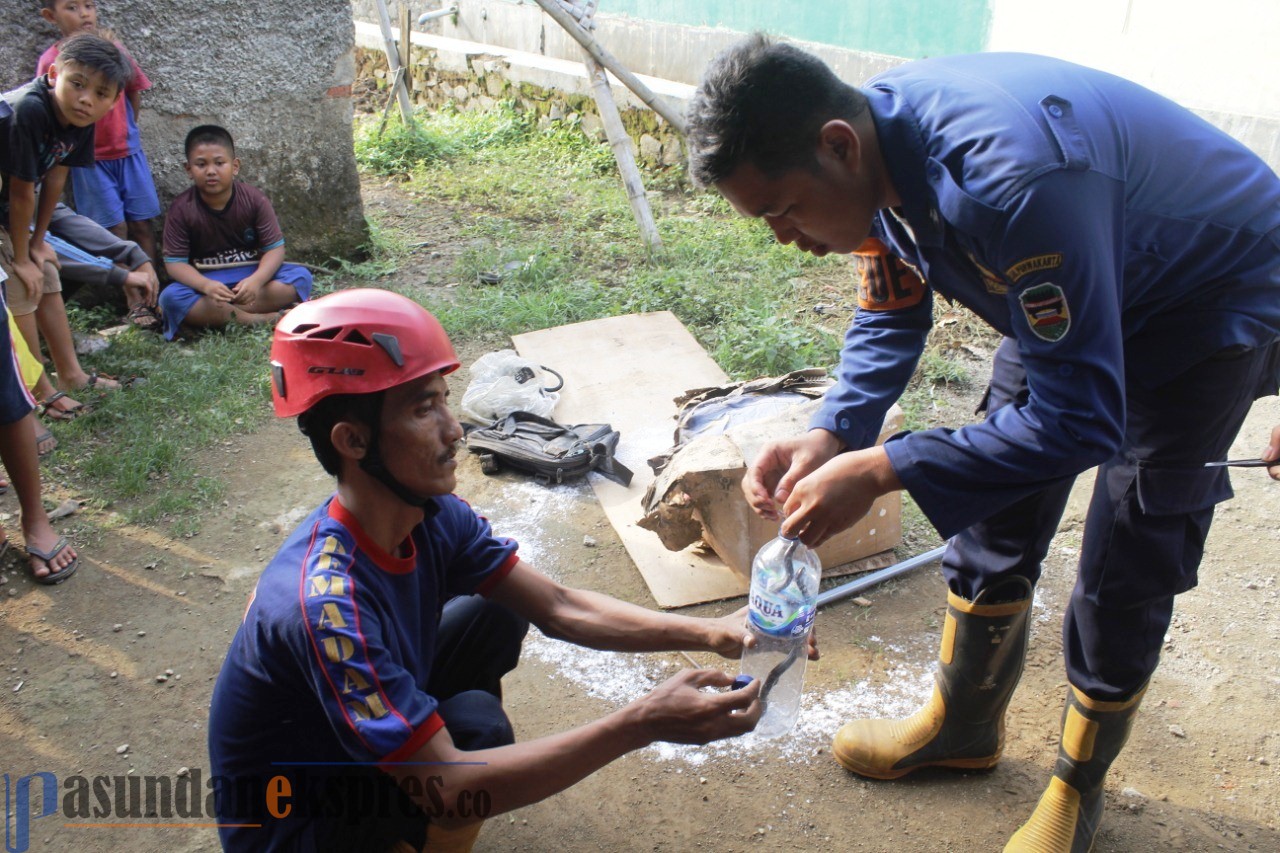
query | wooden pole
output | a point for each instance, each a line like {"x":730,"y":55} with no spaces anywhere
{"x":393,"y":62}
{"x":619,"y":141}
{"x":406,"y":58}
{"x":608,"y":60}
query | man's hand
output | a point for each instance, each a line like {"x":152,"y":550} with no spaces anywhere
{"x":42,"y":253}
{"x":732,"y":636}
{"x":1272,"y":454}
{"x":678,"y":711}
{"x":834,"y":497}
{"x":768,"y":483}
{"x":31,"y":275}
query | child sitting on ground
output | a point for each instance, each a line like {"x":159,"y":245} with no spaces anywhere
{"x":223,"y":246}
{"x":117,"y":192}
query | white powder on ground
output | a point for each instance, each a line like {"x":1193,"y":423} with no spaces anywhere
{"x":616,"y":678}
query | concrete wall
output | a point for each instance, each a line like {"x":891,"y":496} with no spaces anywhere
{"x":277,"y":75}
{"x":1221,"y":64}
{"x":1219,"y":60}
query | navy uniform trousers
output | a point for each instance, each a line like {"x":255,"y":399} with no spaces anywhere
{"x":1147,"y":522}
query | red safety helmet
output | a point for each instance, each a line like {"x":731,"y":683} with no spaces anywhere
{"x":357,"y":341}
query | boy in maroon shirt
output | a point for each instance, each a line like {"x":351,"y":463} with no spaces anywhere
{"x":223,"y":246}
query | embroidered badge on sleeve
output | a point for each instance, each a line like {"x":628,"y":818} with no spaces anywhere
{"x":1027,"y":266}
{"x":885,"y":282}
{"x":1045,"y":306}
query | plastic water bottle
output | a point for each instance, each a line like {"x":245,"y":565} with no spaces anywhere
{"x":784,"y":599}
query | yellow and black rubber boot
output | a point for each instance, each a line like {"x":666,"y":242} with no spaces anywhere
{"x":984,"y":644}
{"x":1070,"y":810}
{"x":458,"y":840}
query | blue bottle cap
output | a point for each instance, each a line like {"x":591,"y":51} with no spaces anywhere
{"x":741,"y":681}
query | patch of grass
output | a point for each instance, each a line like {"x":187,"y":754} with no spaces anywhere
{"x":399,"y":148}
{"x":137,"y":451}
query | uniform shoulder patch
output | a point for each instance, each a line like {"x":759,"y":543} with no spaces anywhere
{"x":1036,"y":263}
{"x":992,"y":282}
{"x":885,"y":283}
{"x":1047,"y":312}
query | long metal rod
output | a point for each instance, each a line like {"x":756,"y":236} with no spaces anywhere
{"x":438,"y":13}
{"x":867,"y":581}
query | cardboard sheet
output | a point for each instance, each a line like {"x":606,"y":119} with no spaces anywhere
{"x":626,"y":371}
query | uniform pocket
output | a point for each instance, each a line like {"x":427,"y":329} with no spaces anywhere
{"x":1148,"y":537}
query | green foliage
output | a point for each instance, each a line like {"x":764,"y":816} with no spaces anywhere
{"x":399,"y":148}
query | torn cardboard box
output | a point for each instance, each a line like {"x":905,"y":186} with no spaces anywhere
{"x":698,"y":495}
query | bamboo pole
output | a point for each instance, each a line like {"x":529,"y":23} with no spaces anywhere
{"x":608,"y":60}
{"x":619,"y":141}
{"x":400,"y":90}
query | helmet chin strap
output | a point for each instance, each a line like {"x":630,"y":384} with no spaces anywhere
{"x":373,"y":465}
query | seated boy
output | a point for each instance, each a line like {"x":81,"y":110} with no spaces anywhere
{"x":223,"y":246}
{"x":366,"y":674}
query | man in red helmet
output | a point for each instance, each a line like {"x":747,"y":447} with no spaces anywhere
{"x":373,"y":647}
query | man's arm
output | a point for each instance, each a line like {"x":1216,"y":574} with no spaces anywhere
{"x":677,"y":711}
{"x":598,"y":621}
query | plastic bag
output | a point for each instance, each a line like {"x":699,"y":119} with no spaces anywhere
{"x":502,"y":382}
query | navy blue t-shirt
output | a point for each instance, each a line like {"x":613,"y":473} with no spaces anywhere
{"x":328,"y":670}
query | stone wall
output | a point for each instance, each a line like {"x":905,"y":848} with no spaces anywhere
{"x":277,"y":75}
{"x":480,"y":80}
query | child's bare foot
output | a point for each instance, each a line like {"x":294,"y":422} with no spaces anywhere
{"x":249,"y":318}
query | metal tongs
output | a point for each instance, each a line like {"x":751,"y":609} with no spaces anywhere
{"x":1241,"y":463}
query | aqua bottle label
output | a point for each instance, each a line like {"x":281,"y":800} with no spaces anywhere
{"x":780,"y":616}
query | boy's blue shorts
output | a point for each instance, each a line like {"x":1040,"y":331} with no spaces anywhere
{"x":115,"y":191}
{"x":176,"y":299}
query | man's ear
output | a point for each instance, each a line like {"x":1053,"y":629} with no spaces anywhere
{"x":840,"y":140}
{"x":350,"y":439}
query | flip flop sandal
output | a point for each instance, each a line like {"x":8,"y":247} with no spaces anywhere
{"x":51,"y":444}
{"x":94,"y":376}
{"x":53,"y":577}
{"x":53,"y":413}
{"x":144,"y":318}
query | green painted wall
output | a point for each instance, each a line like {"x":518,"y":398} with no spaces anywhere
{"x":909,"y":28}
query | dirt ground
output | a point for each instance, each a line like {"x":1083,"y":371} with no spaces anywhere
{"x":110,"y":674}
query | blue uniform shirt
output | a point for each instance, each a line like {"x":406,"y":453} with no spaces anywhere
{"x":1115,"y":235}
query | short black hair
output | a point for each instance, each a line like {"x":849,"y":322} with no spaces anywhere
{"x":209,"y":134}
{"x":763,"y":102}
{"x":317,"y":423}
{"x":95,"y":53}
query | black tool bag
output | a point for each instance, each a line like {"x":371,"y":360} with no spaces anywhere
{"x":550,"y":451}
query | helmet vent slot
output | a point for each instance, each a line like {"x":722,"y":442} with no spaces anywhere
{"x":355,"y":336}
